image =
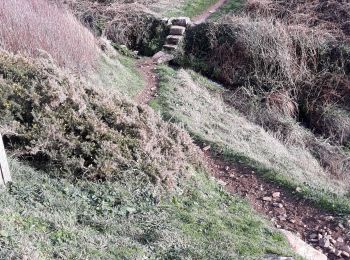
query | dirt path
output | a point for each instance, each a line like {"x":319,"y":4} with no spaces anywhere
{"x":207,"y":13}
{"x":147,"y":68}
{"x":286,"y":210}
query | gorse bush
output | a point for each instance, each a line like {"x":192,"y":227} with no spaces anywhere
{"x":62,"y":123}
{"x":37,"y":27}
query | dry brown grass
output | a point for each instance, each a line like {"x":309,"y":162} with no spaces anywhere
{"x":36,"y":28}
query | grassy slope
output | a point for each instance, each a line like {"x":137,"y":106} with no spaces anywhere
{"x":194,"y":101}
{"x":190,"y":8}
{"x":49,"y":217}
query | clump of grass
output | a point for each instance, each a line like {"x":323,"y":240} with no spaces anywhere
{"x":39,"y":28}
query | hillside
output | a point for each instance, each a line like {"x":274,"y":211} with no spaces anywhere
{"x":211,"y":150}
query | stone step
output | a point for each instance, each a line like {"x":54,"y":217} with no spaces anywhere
{"x":170,"y":47}
{"x":180,"y":21}
{"x":177,"y":30}
{"x":174,"y":39}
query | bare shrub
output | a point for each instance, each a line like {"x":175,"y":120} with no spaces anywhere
{"x":36,"y":27}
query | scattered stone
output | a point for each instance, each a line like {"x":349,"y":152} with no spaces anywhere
{"x":267,"y":199}
{"x":276,"y":194}
{"x":346,"y":254}
{"x":319,"y":236}
{"x":325,"y":243}
{"x":227,"y":168}
{"x":340,"y":240}
{"x":313,"y":236}
{"x":153,"y":89}
{"x":338,"y":252}
{"x":298,"y":189}
{"x":292,"y":221}
{"x":222,"y":183}
{"x":333,"y":241}
{"x":329,"y":218}
{"x":207,"y":148}
{"x":346,"y":248}
{"x":278,"y":205}
{"x":301,"y":248}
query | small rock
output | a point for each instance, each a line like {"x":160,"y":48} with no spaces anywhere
{"x":232,"y":175}
{"x":346,"y":254}
{"x":329,"y":218}
{"x":346,"y":249}
{"x":298,"y":189}
{"x":332,"y":250}
{"x":292,"y":221}
{"x":153,"y":89}
{"x":333,"y":241}
{"x":324,"y":243}
{"x":267,"y":199}
{"x":313,"y":236}
{"x":222,"y":183}
{"x":276,"y":194}
{"x":278,"y":205}
{"x":338,"y":252}
{"x":282,"y":218}
{"x":207,"y":148}
{"x":319,"y":236}
{"x":227,"y":168}
{"x":340,"y":240}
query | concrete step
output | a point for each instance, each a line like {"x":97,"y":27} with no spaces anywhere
{"x":177,"y":30}
{"x":170,"y":47}
{"x":174,"y":39}
{"x":180,"y":21}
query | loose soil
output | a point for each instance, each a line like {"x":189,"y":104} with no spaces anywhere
{"x":286,"y":209}
{"x":147,"y":68}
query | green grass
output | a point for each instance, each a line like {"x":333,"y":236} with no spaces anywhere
{"x":48,"y":217}
{"x":229,"y":7}
{"x":185,"y":98}
{"x":118,"y":73}
{"x":190,"y":8}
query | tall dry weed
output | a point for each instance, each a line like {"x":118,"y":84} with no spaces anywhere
{"x":37,"y":27}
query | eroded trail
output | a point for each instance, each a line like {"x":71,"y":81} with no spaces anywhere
{"x":147,"y":68}
{"x":285,"y":209}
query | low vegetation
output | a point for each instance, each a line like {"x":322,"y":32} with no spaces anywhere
{"x":197,"y":103}
{"x":97,"y":176}
{"x":45,"y":217}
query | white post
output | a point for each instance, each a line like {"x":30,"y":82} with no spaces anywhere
{"x":5,"y":175}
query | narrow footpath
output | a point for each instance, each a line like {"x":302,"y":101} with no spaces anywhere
{"x":324,"y":231}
